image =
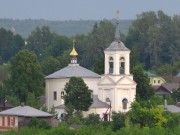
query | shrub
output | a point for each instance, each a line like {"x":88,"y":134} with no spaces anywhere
{"x":41,"y":124}
{"x":92,"y":119}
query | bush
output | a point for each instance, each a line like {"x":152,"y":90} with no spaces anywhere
{"x":41,"y":124}
{"x":118,"y":120}
{"x":92,"y":119}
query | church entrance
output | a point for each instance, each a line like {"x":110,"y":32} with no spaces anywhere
{"x":105,"y":116}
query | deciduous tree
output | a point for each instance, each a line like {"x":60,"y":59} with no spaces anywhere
{"x":26,"y":75}
{"x":78,"y":95}
{"x":144,"y":90}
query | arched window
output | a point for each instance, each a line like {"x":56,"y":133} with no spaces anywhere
{"x":124,"y":103}
{"x":62,"y":94}
{"x":111,"y":65}
{"x":122,"y":65}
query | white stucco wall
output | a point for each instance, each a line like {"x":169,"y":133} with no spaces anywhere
{"x":58,"y":86}
{"x":99,"y":111}
{"x":117,"y":90}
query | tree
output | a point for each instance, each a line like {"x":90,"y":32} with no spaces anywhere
{"x":10,"y":44}
{"x":78,"y":95}
{"x":2,"y":95}
{"x":95,"y":42}
{"x":176,"y":94}
{"x":33,"y":101}
{"x":36,"y":123}
{"x":152,"y":117}
{"x":58,"y":46}
{"x":26,"y":75}
{"x":50,"y":65}
{"x":98,"y":67}
{"x":155,"y":36}
{"x":92,"y":119}
{"x":118,"y":120}
{"x":64,"y":60}
{"x":144,"y":90}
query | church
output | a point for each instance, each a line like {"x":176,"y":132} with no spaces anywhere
{"x":115,"y":90}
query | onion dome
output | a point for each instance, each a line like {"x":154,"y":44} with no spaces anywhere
{"x":73,"y":53}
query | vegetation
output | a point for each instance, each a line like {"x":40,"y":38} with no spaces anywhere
{"x":176,"y":94}
{"x":92,"y":119}
{"x":40,"y":124}
{"x":78,"y":95}
{"x":10,"y":44}
{"x":156,"y":38}
{"x":99,"y":129}
{"x":151,"y":117}
{"x":26,"y":75}
{"x":144,"y":90}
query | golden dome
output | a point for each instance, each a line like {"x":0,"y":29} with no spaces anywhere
{"x":73,"y":52}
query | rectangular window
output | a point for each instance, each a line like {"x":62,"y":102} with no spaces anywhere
{"x":3,"y":121}
{"x":13,"y":121}
{"x":158,"y":81}
{"x":8,"y":120}
{"x":154,"y":81}
{"x":55,"y":95}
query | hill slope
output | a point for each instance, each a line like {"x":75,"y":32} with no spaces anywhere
{"x":67,"y":28}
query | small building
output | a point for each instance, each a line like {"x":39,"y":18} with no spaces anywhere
{"x":155,"y":80}
{"x":167,"y":89}
{"x":172,"y":79}
{"x":19,"y":116}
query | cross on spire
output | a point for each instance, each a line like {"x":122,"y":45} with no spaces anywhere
{"x":117,"y":34}
{"x":117,"y":15}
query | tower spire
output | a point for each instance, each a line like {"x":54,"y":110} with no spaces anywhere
{"x":117,"y":34}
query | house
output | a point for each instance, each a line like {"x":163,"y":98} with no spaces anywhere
{"x":19,"y":116}
{"x":167,"y":88}
{"x":155,"y":80}
{"x":115,"y":90}
{"x":171,"y":108}
{"x":172,"y":79}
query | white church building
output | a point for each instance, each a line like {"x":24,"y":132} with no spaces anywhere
{"x":115,"y":90}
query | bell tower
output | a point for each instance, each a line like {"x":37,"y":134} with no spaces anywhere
{"x":117,"y":61}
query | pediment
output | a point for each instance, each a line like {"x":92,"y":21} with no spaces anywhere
{"x":125,"y":80}
{"x":106,"y":80}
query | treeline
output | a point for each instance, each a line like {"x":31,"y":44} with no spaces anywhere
{"x":153,"y":39}
{"x":68,"y":28}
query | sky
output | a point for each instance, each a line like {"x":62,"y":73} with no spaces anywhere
{"x":83,"y":9}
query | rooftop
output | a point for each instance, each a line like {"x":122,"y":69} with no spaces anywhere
{"x":96,"y":103}
{"x":73,"y":70}
{"x":25,"y":111}
{"x":117,"y":45}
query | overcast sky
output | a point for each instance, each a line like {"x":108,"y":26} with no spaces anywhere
{"x":83,"y":9}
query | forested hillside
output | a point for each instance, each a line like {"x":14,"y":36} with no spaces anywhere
{"x":67,"y":28}
{"x":153,"y":38}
